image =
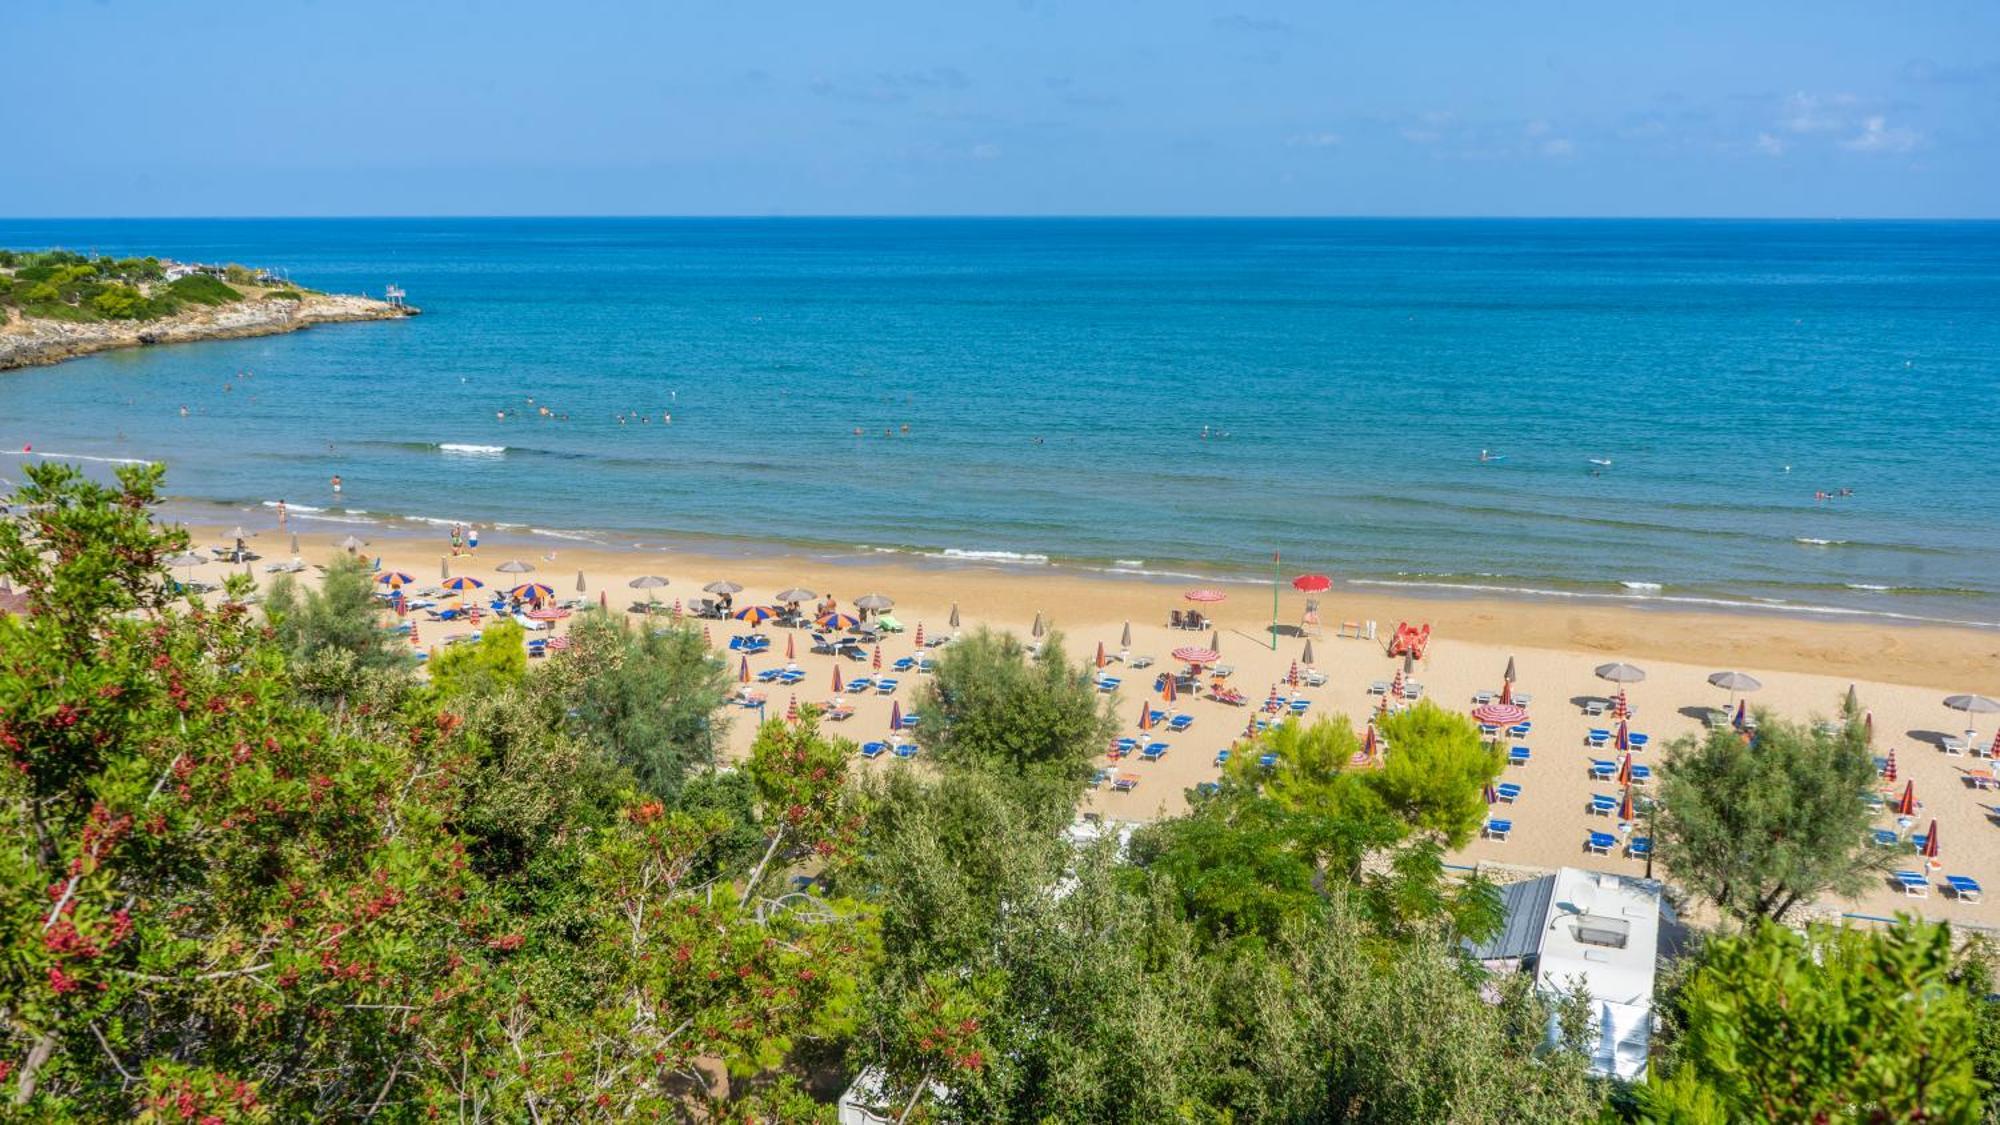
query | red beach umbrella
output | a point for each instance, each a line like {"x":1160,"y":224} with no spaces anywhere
{"x":836,"y":679}
{"x":1625,"y":811}
{"x":603,"y":601}
{"x":1624,"y":735}
{"x":1492,"y":795}
{"x":878,"y":658}
{"x":1100,"y":654}
{"x":743,"y":671}
{"x":1737,"y":722}
{"x":1168,"y":690}
{"x":1625,"y":774}
{"x":705,"y":638}
{"x":1499,"y":714}
{"x":1145,"y":715}
{"x":920,"y":636}
{"x":1624,"y":706}
{"x":677,"y":611}
{"x":1250,"y":727}
{"x":1205,"y":595}
{"x":1369,"y":746}
{"x":895,"y":716}
{"x":413,"y":635}
{"x":1396,"y":688}
{"x":1195,"y":654}
{"x":1889,"y":767}
{"x":1931,"y":841}
{"x":1907,"y":804}
{"x":1507,"y":693}
{"x":792,"y":710}
{"x":1312,"y":583}
{"x":1292,"y":676}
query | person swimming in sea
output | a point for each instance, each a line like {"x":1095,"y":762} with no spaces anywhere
{"x":336,"y":484}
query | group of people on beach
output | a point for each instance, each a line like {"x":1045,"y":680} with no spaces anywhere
{"x":464,"y":539}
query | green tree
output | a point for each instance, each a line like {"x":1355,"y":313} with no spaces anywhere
{"x":1236,"y":866}
{"x":1759,"y":825}
{"x":333,"y":636}
{"x":991,"y":707}
{"x":1436,"y":772}
{"x":647,"y":698}
{"x":1838,"y":1024}
{"x":498,"y":660}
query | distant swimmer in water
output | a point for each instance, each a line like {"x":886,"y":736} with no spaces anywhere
{"x":1038,"y":441}
{"x":184,"y":411}
{"x":857,"y":431}
{"x":906,"y":427}
{"x":336,"y":484}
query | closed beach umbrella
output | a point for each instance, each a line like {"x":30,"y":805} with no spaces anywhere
{"x":954,"y":615}
{"x":1409,"y":664}
{"x":723,"y":586}
{"x":444,"y":568}
{"x":1742,"y":710}
{"x":1506,"y":692}
{"x":895,"y":715}
{"x":1853,"y":700}
{"x":1508,"y":675}
{"x":836,"y":679}
{"x":1145,"y":715}
{"x":295,"y":542}
{"x":755,"y":614}
{"x":875,"y":602}
{"x":743,"y":671}
{"x":1307,"y":656}
{"x":1292,"y":676}
{"x":529,"y":591}
{"x":837,"y":621}
{"x":1205,"y":596}
{"x":1125,"y":637}
{"x":878,"y":658}
{"x":515,"y":566}
{"x":579,"y":582}
{"x":1492,"y":795}
{"x":603,"y":602}
{"x":919,"y":639}
{"x":1312,"y":583}
{"x":1100,"y":654}
{"x":796,"y":594}
{"x":791,"y":651}
{"x":1369,"y":742}
{"x":1931,"y":843}
{"x":1169,"y":690}
{"x":1625,"y":771}
{"x":1038,"y":628}
{"x":1889,"y":767}
{"x":1621,"y":673}
{"x":1624,"y":734}
{"x":1625,"y":810}
{"x":1215,"y":639}
{"x":1906,"y":805}
{"x":792,"y":709}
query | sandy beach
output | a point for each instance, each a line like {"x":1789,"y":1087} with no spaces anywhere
{"x":1901,"y":673}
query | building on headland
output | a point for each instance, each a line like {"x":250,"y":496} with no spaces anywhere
{"x":1605,"y":933}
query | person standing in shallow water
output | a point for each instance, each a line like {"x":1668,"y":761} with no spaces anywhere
{"x":336,"y":484}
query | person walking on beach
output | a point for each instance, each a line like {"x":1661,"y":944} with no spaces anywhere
{"x":281,"y":513}
{"x":472,"y":539}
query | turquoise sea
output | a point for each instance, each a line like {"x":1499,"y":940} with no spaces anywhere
{"x":1160,"y":396}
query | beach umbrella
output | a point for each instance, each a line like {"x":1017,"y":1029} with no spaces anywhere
{"x":444,"y":567}
{"x":1205,"y":596}
{"x":236,"y":533}
{"x":1292,"y":676}
{"x":1972,"y":705}
{"x":1620,"y":673}
{"x":677,"y":616}
{"x":1038,"y":629}
{"x":1271,"y":702}
{"x":919,"y":640}
{"x":1396,"y":686}
{"x":1145,"y":715}
{"x":461,"y":584}
{"x":1215,"y":639}
{"x":1169,"y":690}
{"x":837,"y":621}
{"x":1499,"y":714}
{"x":394,"y":579}
{"x":723,"y":586}
{"x":1733,"y":682}
{"x":755,"y":614}
{"x":1742,"y":712}
{"x":351,"y":544}
{"x":1307,"y":656}
{"x":1312,"y":583}
{"x":1194,"y":654}
{"x":953,"y":622}
{"x":836,"y":679}
{"x":1100,"y":654}
{"x":1624,"y":734}
{"x":1250,"y":727}
{"x":1931,"y":843}
{"x":1995,"y":751}
{"x":295,"y":542}
{"x":648,"y":583}
{"x":796,"y":594}
{"x":1868,"y":729}
{"x":414,"y":642}
{"x":791,"y":650}
{"x":1906,"y":805}
{"x":1625,"y":811}
{"x":743,"y":671}
{"x":1889,"y":767}
{"x":1370,"y":744}
{"x":792,"y":709}
{"x":895,"y":715}
{"x":1492,"y":795}
{"x":1125,"y":637}
{"x":1508,"y":675}
{"x":529,"y":591}
{"x":1409,"y":664}
{"x":188,"y":559}
{"x":1625,"y":770}
{"x":874,"y":602}
{"x":1853,"y":700}
{"x":603,"y":601}
{"x":1506,"y":692}
{"x":878,"y":658}
{"x":515,"y":566}
{"x":579,"y":582}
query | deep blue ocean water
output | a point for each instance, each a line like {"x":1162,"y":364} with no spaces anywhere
{"x":1057,"y":379}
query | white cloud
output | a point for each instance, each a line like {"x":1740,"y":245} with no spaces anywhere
{"x":1876,"y":135}
{"x":1816,"y":113}
{"x":1558,"y":146}
{"x":1770,"y":145}
{"x":1313,"y":140}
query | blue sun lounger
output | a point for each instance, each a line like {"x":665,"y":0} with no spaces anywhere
{"x":1268,"y":761}
{"x":1603,"y":804}
{"x":1639,"y":847}
{"x":1521,"y":729}
{"x":1154,"y":751}
{"x":1963,"y":887}
{"x":1518,"y":756}
{"x":904,"y":664}
{"x":1641,"y":774}
{"x":873,"y":749}
{"x":1597,"y":739}
{"x":1600,"y":843}
{"x":1885,"y":838}
{"x":1108,"y":684}
{"x":1180,"y":723}
{"x":1601,"y":770}
{"x":1221,"y":757}
{"x":906,"y":749}
{"x":860,"y":685}
{"x":886,"y":686}
{"x":1914,"y":884}
{"x":1497,"y":829}
{"x":1507,"y":791}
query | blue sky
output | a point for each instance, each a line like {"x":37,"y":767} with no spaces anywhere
{"x":312,"y":107}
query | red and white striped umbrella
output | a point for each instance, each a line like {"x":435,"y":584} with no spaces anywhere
{"x":1195,"y":654}
{"x":1292,"y":676}
{"x":1272,"y":702}
{"x":1396,"y":687}
{"x":1507,"y":692}
{"x":677,"y":609}
{"x":413,"y":635}
{"x":705,"y":638}
{"x":878,"y":658}
{"x":792,"y":710}
{"x":1889,"y":767}
{"x":920,"y":636}
{"x":1205,"y":595}
{"x":1499,"y":714}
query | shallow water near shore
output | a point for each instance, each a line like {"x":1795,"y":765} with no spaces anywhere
{"x":1057,"y":379}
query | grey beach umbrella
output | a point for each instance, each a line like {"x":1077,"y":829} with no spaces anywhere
{"x":444,"y":568}
{"x":1306,"y":657}
{"x":515,"y":566}
{"x":1508,"y":675}
{"x":188,"y":559}
{"x":648,"y":583}
{"x":1215,"y":640}
{"x":1038,"y":629}
{"x":1621,"y":673}
{"x":579,"y":582}
{"x":796,"y":594}
{"x":723,"y":586}
{"x":1733,"y":682}
{"x":1125,"y":638}
{"x":295,"y":542}
{"x":954,"y":615}
{"x":875,"y":602}
{"x":351,"y":544}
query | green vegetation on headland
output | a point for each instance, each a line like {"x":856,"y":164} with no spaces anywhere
{"x":64,"y":285}
{"x":255,"y":867}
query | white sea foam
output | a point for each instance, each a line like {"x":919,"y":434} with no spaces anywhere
{"x":1015,"y":557}
{"x":290,"y":507}
{"x":1811,"y":542}
{"x":1128,"y":562}
{"x":319,"y":518}
{"x":574,"y":536}
{"x":1866,"y":586}
{"x":1724,"y":603}
{"x":48,"y":456}
{"x":475,"y":450}
{"x":1641,"y":585}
